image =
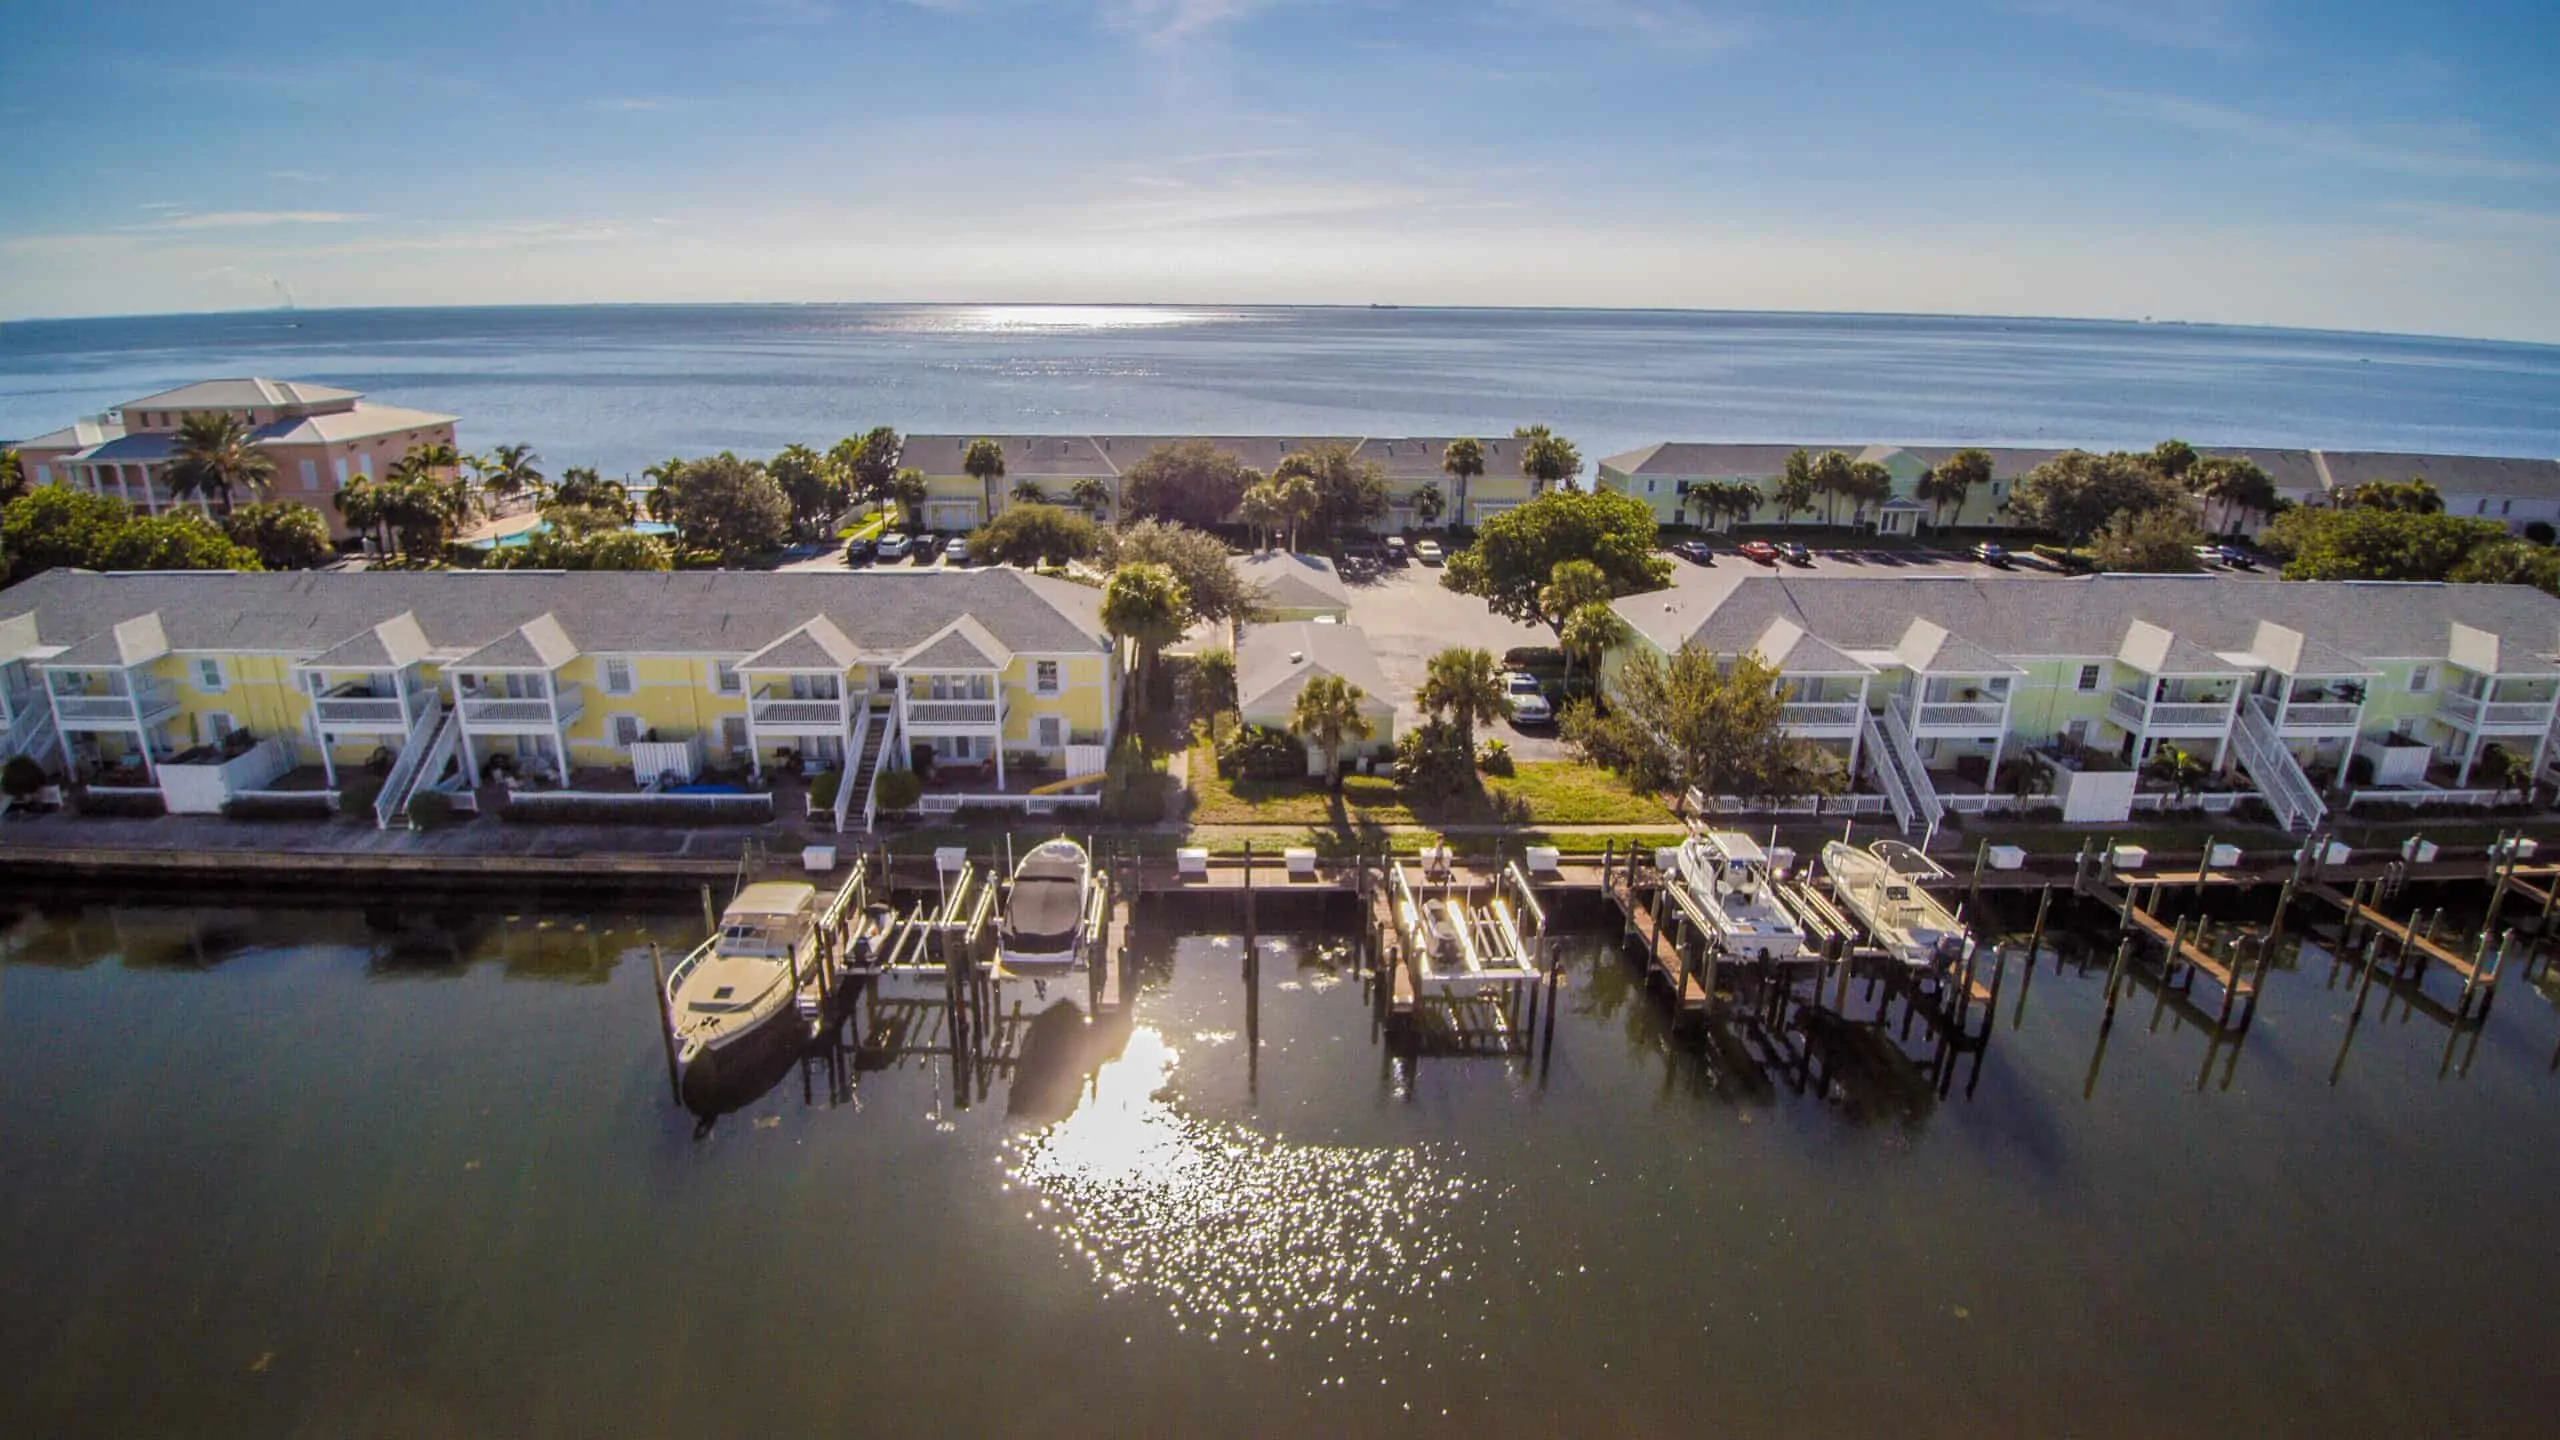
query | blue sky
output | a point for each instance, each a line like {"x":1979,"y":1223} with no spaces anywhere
{"x":2370,"y":166}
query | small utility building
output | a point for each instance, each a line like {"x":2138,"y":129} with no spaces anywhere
{"x":1275,"y":662}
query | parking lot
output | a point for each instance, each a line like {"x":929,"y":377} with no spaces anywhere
{"x":1409,"y":618}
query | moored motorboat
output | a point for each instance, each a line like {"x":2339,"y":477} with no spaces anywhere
{"x":1044,"y":908}
{"x":1728,"y":874}
{"x":740,"y":981}
{"x":1881,"y":886}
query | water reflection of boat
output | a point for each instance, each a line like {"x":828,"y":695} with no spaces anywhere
{"x":1882,"y":886}
{"x":1728,"y":875}
{"x":1044,"y":911}
{"x":1059,"y":1051}
{"x":733,"y":989}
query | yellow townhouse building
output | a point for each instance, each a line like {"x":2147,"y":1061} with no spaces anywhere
{"x":987,"y":679}
{"x":318,"y":436}
{"x":1060,"y":464}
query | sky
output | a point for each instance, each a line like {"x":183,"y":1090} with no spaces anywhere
{"x":2361,"y":164}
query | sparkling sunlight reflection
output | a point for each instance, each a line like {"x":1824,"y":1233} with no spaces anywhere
{"x":1009,"y":319}
{"x":1243,"y":1236}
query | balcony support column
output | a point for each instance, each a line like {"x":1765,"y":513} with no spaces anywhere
{"x":2470,"y":753}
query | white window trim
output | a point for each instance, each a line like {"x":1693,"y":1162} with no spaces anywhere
{"x":2422,"y":678}
{"x":630,"y":677}
{"x":1057,"y":682}
{"x":212,"y":675}
{"x":204,"y":725}
{"x":2091,"y":679}
{"x":736,"y":684}
{"x":613,"y":730}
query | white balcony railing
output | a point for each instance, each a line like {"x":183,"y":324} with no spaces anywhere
{"x":1822,"y":714}
{"x":2471,"y":714}
{"x":953,"y":712}
{"x":1968,"y":715}
{"x":367,"y":711}
{"x":498,"y":712}
{"x":774,"y":710}
{"x":2168,"y":716}
{"x":2320,"y":715}
{"x":155,"y":700}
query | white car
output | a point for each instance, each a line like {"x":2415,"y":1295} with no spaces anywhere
{"x":1531,"y":708}
{"x":893,"y":546}
{"x":957,"y":552}
{"x":1520,"y":682}
{"x":1427,"y":551}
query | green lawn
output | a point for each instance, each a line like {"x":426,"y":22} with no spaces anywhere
{"x":1544,"y":792}
{"x":867,"y":528}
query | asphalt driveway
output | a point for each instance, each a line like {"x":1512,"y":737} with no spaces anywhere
{"x":1409,"y":617}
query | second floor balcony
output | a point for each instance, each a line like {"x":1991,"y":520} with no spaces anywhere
{"x":1823,"y":718}
{"x":777,"y":708}
{"x":2175,"y":715}
{"x":496,"y":711}
{"x":970,"y":714}
{"x":2508,"y":716}
{"x":115,"y":707}
{"x":2309,"y":717}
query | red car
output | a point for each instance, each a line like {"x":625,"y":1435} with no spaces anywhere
{"x":1759,"y":550}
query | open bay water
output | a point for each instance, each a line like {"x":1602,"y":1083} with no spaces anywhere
{"x":619,"y":387}
{"x":307,"y":1173}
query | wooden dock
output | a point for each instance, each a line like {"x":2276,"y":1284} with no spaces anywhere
{"x":1669,"y":928}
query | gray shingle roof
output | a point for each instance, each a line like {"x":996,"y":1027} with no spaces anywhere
{"x":817,"y":645}
{"x":707,"y":612}
{"x":2489,"y":475}
{"x":1291,"y":581}
{"x":240,"y":393}
{"x":2024,"y":617}
{"x":396,"y":642}
{"x":1274,"y":661}
{"x":965,"y":645}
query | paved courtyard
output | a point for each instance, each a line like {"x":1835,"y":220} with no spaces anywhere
{"x":1409,"y":617}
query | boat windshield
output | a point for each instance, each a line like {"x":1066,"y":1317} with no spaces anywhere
{"x":755,"y":938}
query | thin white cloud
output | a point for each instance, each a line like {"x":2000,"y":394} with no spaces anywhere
{"x":786,"y":12}
{"x":2213,"y":27}
{"x":2456,"y":152}
{"x":251,"y":219}
{"x":305,"y":177}
{"x":1166,"y":22}
{"x":628,"y":104}
{"x":1675,"y":23}
{"x":161,"y":205}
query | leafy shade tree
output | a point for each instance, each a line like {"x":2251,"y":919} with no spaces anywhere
{"x":1516,"y":554}
{"x":1794,"y":493}
{"x":1464,"y":685}
{"x":2511,"y":562}
{"x":2231,"y":486}
{"x":1946,"y":486}
{"x":2502,"y":770}
{"x":510,"y":472}
{"x":1463,"y":463}
{"x":216,"y":457}
{"x":2363,"y":543}
{"x":984,"y":463}
{"x":1327,"y":716}
{"x":2413,"y":497}
{"x":13,"y":475}
{"x":2172,"y":459}
{"x":1588,"y":634}
{"x":1034,"y":534}
{"x":581,"y":488}
{"x":2160,"y":541}
{"x":175,"y":540}
{"x":1692,"y":722}
{"x":728,"y":507}
{"x":1091,"y":496}
{"x":1145,"y":608}
{"x":1211,"y":588}
{"x":1547,"y":459}
{"x":1571,"y":586}
{"x":56,"y":525}
{"x":907,"y":490}
{"x":1350,"y":493}
{"x":2075,"y":494}
{"x":1190,"y":481}
{"x":1429,"y":505}
{"x":588,"y":549}
{"x":284,"y":535}
{"x":810,"y":484}
{"x":873,"y":463}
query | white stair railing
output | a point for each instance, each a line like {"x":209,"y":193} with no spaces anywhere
{"x":852,"y":766}
{"x":2279,"y":777}
{"x":393,"y":799}
{"x":890,"y":734}
{"x":32,"y":735}
{"x":1925,"y":804}
{"x":1882,"y":769}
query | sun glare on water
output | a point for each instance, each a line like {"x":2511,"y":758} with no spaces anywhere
{"x":1244,"y":1237}
{"x":1008,"y":319}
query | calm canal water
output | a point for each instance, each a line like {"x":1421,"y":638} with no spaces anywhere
{"x":294,"y":1173}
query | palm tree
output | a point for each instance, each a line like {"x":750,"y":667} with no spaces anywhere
{"x":1572,"y":585}
{"x":359,"y":503}
{"x":1952,"y":480}
{"x":908,"y":488}
{"x":1260,"y":508}
{"x":1327,"y":713}
{"x":1429,"y":505}
{"x":985,"y":464}
{"x":1028,"y":492}
{"x":2234,"y":485}
{"x":1590,"y":632}
{"x":510,"y":471}
{"x":1548,"y":459}
{"x":1467,"y":685}
{"x":1463,"y":461}
{"x":1832,"y":478}
{"x":1796,"y":487}
{"x":1298,"y":502}
{"x":1092,"y":494}
{"x":1144,"y":605}
{"x":215,"y":457}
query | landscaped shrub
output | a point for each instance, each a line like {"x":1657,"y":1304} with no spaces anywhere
{"x":429,"y":809}
{"x":1433,"y":762}
{"x":22,"y":777}
{"x":312,"y":805}
{"x":1494,"y":758}
{"x":1259,"y":752}
{"x":554,"y":808}
{"x":1533,"y":658}
{"x":356,"y":796}
{"x":824,"y":789}
{"x":898,"y":789}
{"x":136,"y":805}
{"x":2540,"y":532}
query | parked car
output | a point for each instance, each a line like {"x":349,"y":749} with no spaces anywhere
{"x":1531,"y":708}
{"x":1521,"y":682}
{"x":1395,"y":550}
{"x":928,"y":549}
{"x":1990,"y":554}
{"x":1758,"y":550}
{"x":2208,"y":555}
{"x":1793,"y":553}
{"x":893,"y":546}
{"x":860,"y":549}
{"x":1696,"y":552}
{"x":957,"y":551}
{"x":2237,"y":558}
{"x":1427,"y":551}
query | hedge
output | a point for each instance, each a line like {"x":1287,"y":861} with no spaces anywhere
{"x":136,"y":805}
{"x":314,"y":805}
{"x":566,"y":809}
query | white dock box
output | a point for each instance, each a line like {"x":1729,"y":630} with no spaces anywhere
{"x":2008,"y":857}
{"x":2224,"y":855}
{"x":1301,"y":861}
{"x":950,"y":858}
{"x":817,"y":859}
{"x":2417,"y":849}
{"x":2517,"y":846}
{"x":1191,"y":860}
{"x":1543,"y":859}
{"x":1666,"y":858}
{"x":2128,"y":857}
